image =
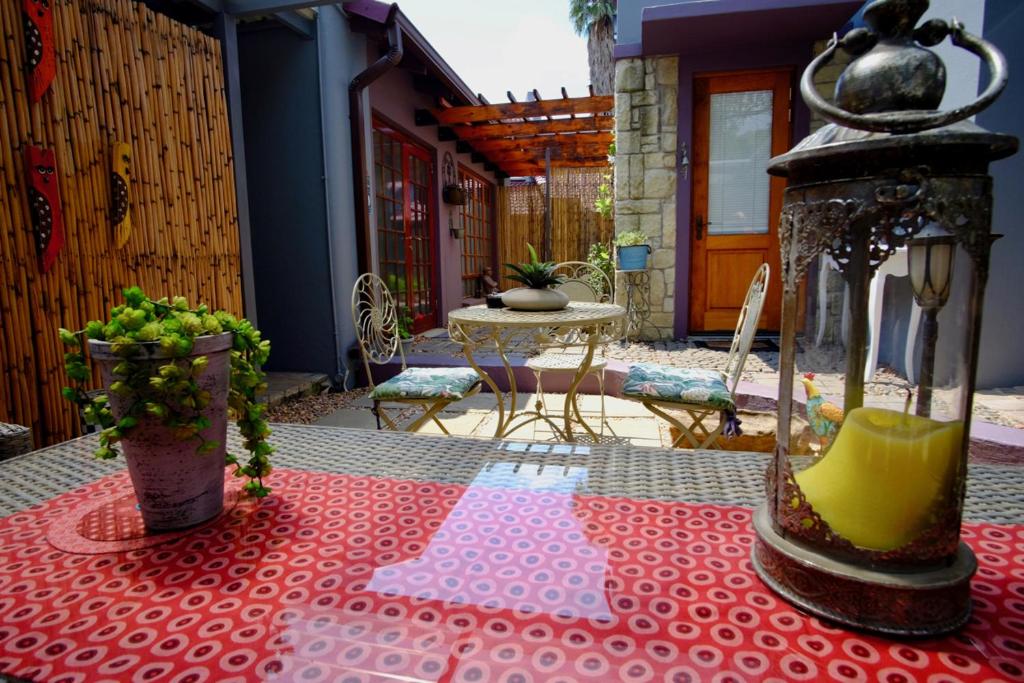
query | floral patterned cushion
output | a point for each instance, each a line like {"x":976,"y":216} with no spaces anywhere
{"x":450,"y":383}
{"x":695,"y":386}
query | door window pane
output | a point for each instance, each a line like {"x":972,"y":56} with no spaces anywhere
{"x":477,"y":232}
{"x":740,"y":146}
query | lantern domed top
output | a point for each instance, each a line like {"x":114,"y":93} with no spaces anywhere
{"x":886,"y":101}
{"x":894,"y":74}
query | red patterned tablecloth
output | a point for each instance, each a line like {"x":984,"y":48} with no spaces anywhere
{"x":351,"y":579}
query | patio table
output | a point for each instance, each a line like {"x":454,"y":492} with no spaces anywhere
{"x":580,"y":323}
{"x":395,"y":556}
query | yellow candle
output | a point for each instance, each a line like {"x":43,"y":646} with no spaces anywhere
{"x":879,"y":484}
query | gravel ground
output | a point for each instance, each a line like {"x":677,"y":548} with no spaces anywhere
{"x":307,"y":409}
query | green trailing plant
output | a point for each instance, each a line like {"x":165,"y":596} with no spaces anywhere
{"x":170,"y":392}
{"x":600,"y":256}
{"x":404,"y":324}
{"x":535,"y":274}
{"x":604,"y":205}
{"x":605,"y":201}
{"x":631,"y":238}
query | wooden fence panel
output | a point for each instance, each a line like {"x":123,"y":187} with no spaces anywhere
{"x":124,"y":73}
{"x":575,"y":225}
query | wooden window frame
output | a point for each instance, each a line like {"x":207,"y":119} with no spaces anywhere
{"x":472,"y":259}
{"x":427,"y":154}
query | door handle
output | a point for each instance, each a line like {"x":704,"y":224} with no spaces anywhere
{"x":700,"y":227}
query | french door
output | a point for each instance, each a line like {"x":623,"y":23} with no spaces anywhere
{"x":740,"y":121}
{"x":478,"y":241}
{"x":405,"y":225}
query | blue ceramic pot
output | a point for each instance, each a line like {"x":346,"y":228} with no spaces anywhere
{"x":633,"y":258}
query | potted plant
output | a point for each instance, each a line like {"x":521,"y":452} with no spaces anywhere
{"x":451,"y":192}
{"x":632,"y":249}
{"x":454,"y":194}
{"x":405,"y":327}
{"x":538,"y":277}
{"x":171,"y":373}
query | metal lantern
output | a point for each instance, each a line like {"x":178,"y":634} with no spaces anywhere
{"x":867,"y":531}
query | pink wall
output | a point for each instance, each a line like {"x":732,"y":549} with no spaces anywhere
{"x":393,"y":97}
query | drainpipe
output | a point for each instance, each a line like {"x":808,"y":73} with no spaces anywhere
{"x":361,"y":175}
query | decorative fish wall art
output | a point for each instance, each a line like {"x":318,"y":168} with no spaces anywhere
{"x":120,"y":177}
{"x":44,"y":204}
{"x":40,"y":63}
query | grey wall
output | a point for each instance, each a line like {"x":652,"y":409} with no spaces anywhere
{"x":629,"y":16}
{"x":342,"y":56}
{"x":1001,"y":362}
{"x":284,"y":163}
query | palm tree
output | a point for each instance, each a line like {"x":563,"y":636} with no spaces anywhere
{"x":596,"y":18}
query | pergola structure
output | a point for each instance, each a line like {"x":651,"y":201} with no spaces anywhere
{"x":528,"y":138}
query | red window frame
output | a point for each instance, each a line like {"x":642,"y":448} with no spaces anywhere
{"x":405,"y":212}
{"x":479,"y":239}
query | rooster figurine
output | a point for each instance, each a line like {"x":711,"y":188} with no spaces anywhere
{"x":825,"y":418}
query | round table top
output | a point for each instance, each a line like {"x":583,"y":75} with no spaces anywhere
{"x":575,"y":314}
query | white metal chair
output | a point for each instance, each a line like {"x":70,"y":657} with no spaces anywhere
{"x":583,"y":282}
{"x":700,"y":393}
{"x":376,"y":321}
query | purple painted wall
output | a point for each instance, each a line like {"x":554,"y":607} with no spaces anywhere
{"x":795,"y":56}
{"x":394,"y":97}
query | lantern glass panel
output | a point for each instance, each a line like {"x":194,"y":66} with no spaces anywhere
{"x":888,"y":472}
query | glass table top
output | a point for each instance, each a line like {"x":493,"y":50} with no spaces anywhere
{"x":524,"y":571}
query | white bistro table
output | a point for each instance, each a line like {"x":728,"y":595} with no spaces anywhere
{"x":579,"y":324}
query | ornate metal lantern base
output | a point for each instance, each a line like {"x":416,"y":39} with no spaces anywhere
{"x":912,"y":604}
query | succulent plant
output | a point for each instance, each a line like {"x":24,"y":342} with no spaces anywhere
{"x":535,"y":274}
{"x":631,"y":238}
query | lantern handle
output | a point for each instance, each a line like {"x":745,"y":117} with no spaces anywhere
{"x":910,"y":121}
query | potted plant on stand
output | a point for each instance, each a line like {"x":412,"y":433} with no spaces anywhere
{"x":171,"y":374}
{"x":405,"y":323}
{"x":632,"y":250}
{"x":539,"y":277}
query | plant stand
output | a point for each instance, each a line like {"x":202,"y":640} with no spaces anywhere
{"x":637,"y":302}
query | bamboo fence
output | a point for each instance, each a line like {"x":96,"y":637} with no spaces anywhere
{"x":575,"y":225}
{"x":124,"y":73}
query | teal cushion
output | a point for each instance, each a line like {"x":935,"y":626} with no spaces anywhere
{"x":694,"y":386}
{"x":451,"y":383}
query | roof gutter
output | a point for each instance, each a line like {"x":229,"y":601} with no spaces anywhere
{"x":361,"y":175}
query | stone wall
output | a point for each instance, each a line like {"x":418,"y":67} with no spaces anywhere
{"x":646,"y":101}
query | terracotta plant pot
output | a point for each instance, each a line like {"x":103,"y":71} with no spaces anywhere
{"x":175,"y":486}
{"x":529,"y":299}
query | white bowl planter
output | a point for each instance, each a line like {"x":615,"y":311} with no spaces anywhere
{"x":529,"y":299}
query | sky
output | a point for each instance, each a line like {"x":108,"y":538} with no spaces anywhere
{"x":496,"y":45}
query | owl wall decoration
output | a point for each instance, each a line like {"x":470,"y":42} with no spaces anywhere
{"x":120,"y":177}
{"x":44,"y":204}
{"x":40,"y":62}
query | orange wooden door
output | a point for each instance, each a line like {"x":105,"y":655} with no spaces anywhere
{"x":740,"y":121}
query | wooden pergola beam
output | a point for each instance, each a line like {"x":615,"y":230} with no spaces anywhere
{"x":517,"y":110}
{"x":541,"y":142}
{"x":520,"y":169}
{"x":486,"y":131}
{"x":516,"y":155}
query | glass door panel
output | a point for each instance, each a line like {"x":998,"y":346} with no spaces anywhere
{"x":405,"y":226}
{"x":739,"y":149}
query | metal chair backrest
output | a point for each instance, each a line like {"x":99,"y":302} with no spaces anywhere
{"x":376,"y":319}
{"x":584,"y":282}
{"x":746,"y":326}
